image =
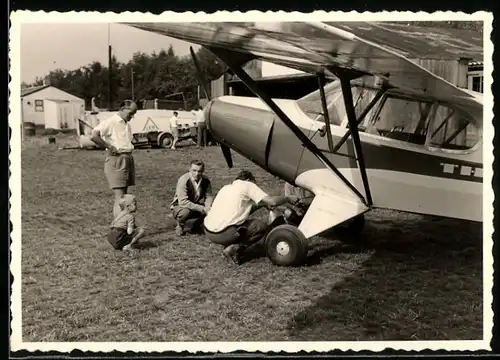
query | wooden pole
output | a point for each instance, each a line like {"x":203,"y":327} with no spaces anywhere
{"x":110,"y":87}
{"x":22,"y":120}
{"x":132,"y":80}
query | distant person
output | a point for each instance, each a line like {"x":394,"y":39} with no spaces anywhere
{"x":123,"y":232}
{"x":193,"y":199}
{"x":174,"y":128}
{"x":202,"y":128}
{"x":228,"y":222}
{"x":295,"y":213}
{"x":114,"y":135}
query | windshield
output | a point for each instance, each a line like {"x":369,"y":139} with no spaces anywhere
{"x":311,"y":103}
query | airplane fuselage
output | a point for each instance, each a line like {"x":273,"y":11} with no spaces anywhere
{"x":402,"y":175}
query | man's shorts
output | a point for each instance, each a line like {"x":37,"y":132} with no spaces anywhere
{"x":120,"y":170}
{"x":174,"y":131}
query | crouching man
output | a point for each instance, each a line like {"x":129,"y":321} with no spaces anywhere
{"x":193,"y":198}
{"x":228,"y":222}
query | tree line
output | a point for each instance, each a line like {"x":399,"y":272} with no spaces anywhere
{"x":152,"y":76}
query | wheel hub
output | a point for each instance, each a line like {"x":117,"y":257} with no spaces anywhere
{"x":282,"y":248}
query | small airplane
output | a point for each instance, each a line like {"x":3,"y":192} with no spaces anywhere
{"x":380,"y":131}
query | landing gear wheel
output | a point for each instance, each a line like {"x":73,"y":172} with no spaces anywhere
{"x":166,"y":141}
{"x":286,"y":246}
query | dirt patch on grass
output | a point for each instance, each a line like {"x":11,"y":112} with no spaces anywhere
{"x":412,"y":278}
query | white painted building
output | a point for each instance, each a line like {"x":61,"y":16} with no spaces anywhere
{"x":51,"y":107}
{"x":269,"y":69}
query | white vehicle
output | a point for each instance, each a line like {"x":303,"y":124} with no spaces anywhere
{"x":149,"y":127}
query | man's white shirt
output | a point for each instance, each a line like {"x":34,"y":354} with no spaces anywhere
{"x":232,"y":205}
{"x":200,"y":117}
{"x":116,"y":131}
{"x":173,"y":121}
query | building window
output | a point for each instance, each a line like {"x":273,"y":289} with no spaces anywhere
{"x":477,"y":83}
{"x":39,"y":105}
{"x":475,"y":80}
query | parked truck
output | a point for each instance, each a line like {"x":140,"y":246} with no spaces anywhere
{"x":150,"y":128}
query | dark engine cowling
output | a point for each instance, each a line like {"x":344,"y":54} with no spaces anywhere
{"x":257,"y":134}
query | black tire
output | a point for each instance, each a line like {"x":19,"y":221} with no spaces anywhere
{"x":286,"y":246}
{"x":153,"y":139}
{"x":166,"y":141}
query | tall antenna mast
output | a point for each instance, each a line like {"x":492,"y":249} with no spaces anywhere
{"x":110,"y":87}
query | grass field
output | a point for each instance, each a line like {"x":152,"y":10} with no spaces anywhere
{"x":412,"y":277}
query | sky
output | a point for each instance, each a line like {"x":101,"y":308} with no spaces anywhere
{"x":45,"y":47}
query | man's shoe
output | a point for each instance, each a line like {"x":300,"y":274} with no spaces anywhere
{"x":232,"y":253}
{"x":179,"y":231}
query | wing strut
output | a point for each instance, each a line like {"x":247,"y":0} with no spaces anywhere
{"x":345,"y":83}
{"x":326,"y":115}
{"x":252,"y":86}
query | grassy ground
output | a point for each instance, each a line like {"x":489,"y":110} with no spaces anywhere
{"x":414,"y":278}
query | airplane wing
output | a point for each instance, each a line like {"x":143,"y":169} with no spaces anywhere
{"x":309,"y":47}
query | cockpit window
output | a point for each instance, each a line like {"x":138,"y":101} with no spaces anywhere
{"x":421,"y":122}
{"x":451,"y":129}
{"x":399,"y":119}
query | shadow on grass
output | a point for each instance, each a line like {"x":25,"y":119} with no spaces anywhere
{"x":315,"y":256}
{"x":423,"y":282}
{"x":142,"y":245}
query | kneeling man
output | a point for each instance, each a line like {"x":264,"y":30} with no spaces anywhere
{"x":193,"y":198}
{"x":228,"y":222}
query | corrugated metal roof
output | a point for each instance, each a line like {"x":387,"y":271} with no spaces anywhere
{"x":418,"y":41}
{"x":31,"y":90}
{"x":474,"y":63}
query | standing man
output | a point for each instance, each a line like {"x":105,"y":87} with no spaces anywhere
{"x":193,"y":199}
{"x":114,"y":135}
{"x":202,"y":128}
{"x":174,"y":129}
{"x":228,"y":222}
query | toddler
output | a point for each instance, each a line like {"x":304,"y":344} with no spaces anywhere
{"x":123,"y":232}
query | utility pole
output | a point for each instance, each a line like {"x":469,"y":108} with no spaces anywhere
{"x":22,"y":120}
{"x":132,"y":81}
{"x":110,"y":87}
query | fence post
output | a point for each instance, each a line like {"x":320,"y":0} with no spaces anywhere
{"x":156,"y":104}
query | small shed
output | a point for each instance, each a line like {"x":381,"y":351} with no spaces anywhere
{"x":49,"y":107}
